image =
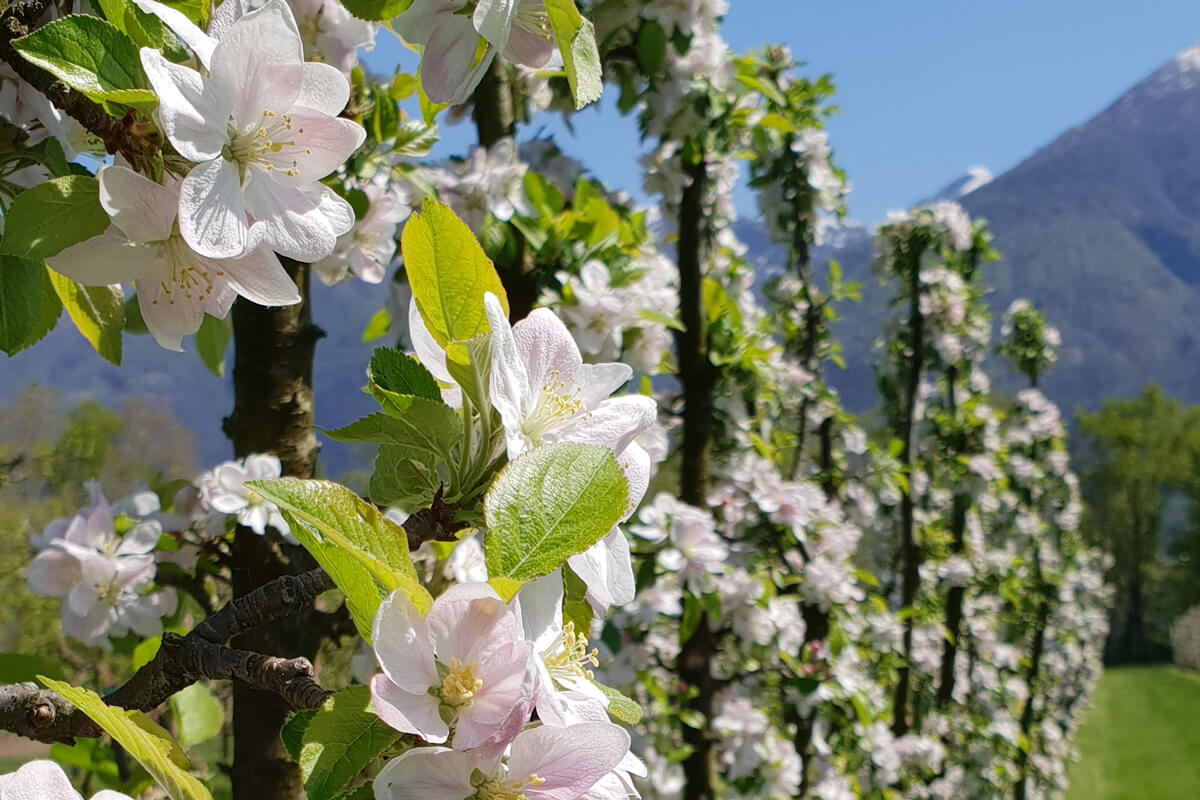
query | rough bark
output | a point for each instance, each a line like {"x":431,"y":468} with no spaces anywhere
{"x":697,"y":376}
{"x":909,"y":550}
{"x":956,"y":595}
{"x":272,"y":413}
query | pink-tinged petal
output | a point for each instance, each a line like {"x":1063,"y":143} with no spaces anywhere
{"x":403,"y":644}
{"x":94,"y":573}
{"x":569,"y":760}
{"x":612,"y":424}
{"x":598,"y":381}
{"x":607,"y":570}
{"x":547,"y":349}
{"x":192,"y":114}
{"x":258,"y":63}
{"x":503,"y":704}
{"x":40,"y":780}
{"x":418,"y":21}
{"x":407,"y":712}
{"x":197,"y":40}
{"x":427,"y":773}
{"x":317,"y":145}
{"x":100,"y":520}
{"x":467,"y":620}
{"x":530,"y":49}
{"x":142,"y":209}
{"x":609,"y":787}
{"x":259,"y":277}
{"x":52,"y":574}
{"x":540,"y":604}
{"x":324,"y":89}
{"x":449,"y":71}
{"x":91,"y":628}
{"x":287,"y":220}
{"x":106,"y":259}
{"x":168,"y":313}
{"x":212,"y":217}
{"x":140,"y":539}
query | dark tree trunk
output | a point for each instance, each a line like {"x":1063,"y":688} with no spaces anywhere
{"x":272,"y":413}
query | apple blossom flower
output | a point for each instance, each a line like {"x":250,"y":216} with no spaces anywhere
{"x":223,"y":489}
{"x":46,"y":780}
{"x":263,"y":127}
{"x":175,"y":285}
{"x":453,"y":55}
{"x":100,"y":575}
{"x":544,"y":763}
{"x":464,"y":673}
{"x":366,"y":250}
{"x":332,"y":34}
{"x":520,"y":29}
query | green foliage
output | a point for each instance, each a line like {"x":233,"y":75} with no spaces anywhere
{"x":145,"y":741}
{"x":365,"y":554}
{"x":551,"y":503}
{"x":393,"y":373}
{"x":378,"y":326}
{"x":449,"y":275}
{"x":97,"y":311}
{"x":212,"y":340}
{"x":340,"y":740}
{"x":50,"y":217}
{"x":22,"y":668}
{"x":198,"y":714}
{"x":29,"y":306}
{"x":576,"y":38}
{"x":91,"y":56}
{"x":376,"y":10}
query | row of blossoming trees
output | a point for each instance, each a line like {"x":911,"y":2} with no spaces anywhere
{"x":800,"y":607}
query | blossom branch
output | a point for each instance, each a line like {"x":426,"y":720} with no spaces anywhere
{"x":18,"y":21}
{"x":44,"y":716}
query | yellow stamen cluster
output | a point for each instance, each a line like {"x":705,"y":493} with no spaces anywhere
{"x":557,"y":402}
{"x":509,"y":790}
{"x":461,"y":684}
{"x":572,"y":656}
{"x":268,"y":138}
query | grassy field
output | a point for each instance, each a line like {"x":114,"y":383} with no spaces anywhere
{"x":1141,"y":737}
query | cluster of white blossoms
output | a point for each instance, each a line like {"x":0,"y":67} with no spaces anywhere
{"x":100,"y":574}
{"x":223,"y":490}
{"x":45,"y":780}
{"x":260,"y":128}
{"x":366,"y":250}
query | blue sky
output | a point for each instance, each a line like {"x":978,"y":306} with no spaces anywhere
{"x":928,"y":89}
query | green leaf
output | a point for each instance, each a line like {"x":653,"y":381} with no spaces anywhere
{"x":449,"y":275}
{"x":90,"y":55}
{"x":133,"y":317}
{"x":397,"y":373}
{"x":364,"y":792}
{"x":376,"y":10}
{"x":154,"y":750}
{"x":365,"y":554}
{"x":52,"y":216}
{"x":292,"y":732}
{"x":146,"y":650}
{"x":377,"y":328}
{"x":97,"y":311}
{"x":146,"y":30}
{"x":212,"y":340}
{"x":620,"y":707}
{"x":340,"y":741}
{"x":577,"y":42}
{"x":23,"y":302}
{"x":548,"y":505}
{"x":198,"y":715}
{"x":651,"y":46}
{"x":20,"y":668}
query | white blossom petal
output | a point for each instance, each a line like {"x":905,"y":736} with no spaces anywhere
{"x":212,"y":217}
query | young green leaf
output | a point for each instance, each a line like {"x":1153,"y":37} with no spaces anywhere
{"x":149,"y":744}
{"x":365,"y":554}
{"x":449,"y":274}
{"x":620,"y":707}
{"x":90,"y":55}
{"x":376,"y":10}
{"x":548,"y":505}
{"x":292,"y":732}
{"x":397,"y":373}
{"x":212,"y":340}
{"x":52,"y":216}
{"x":23,"y":287}
{"x":198,"y":715}
{"x":340,"y":740}
{"x":576,"y":38}
{"x":97,"y":311}
{"x":378,"y":326}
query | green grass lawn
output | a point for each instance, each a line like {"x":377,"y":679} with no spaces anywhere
{"x":1140,"y":739}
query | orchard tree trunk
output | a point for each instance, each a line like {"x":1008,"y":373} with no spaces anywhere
{"x":272,"y":413}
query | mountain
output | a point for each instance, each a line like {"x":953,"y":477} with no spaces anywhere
{"x":1100,"y":228}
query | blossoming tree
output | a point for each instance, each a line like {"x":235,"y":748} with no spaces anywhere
{"x":807,"y":611}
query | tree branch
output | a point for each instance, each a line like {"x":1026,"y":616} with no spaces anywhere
{"x":18,"y":21}
{"x":44,"y":716}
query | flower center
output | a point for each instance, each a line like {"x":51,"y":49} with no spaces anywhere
{"x":534,"y":18}
{"x":556,"y":403}
{"x":108,"y":594}
{"x":461,"y":683}
{"x":569,"y":657}
{"x":266,"y":145}
{"x":506,"y":790}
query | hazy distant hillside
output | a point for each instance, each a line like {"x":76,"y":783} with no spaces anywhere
{"x":1101,"y":228}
